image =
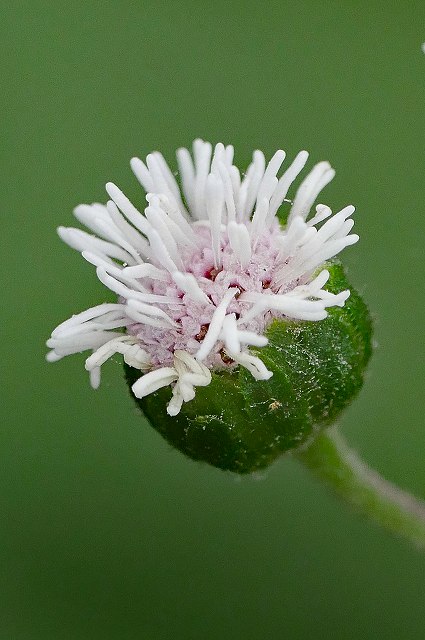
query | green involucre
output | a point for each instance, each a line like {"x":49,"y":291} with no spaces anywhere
{"x":240,"y":424}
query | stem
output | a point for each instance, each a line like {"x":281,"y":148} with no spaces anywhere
{"x":330,"y":458}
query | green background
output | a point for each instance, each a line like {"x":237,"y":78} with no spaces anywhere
{"x":105,"y":531}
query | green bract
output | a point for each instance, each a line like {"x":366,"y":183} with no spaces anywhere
{"x":240,"y":424}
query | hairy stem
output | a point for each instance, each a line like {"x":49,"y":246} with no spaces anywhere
{"x":330,"y":459}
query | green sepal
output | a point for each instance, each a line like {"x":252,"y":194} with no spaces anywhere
{"x":240,"y":424}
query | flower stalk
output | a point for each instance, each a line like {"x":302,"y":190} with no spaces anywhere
{"x":329,"y":458}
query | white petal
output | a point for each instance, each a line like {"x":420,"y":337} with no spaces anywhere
{"x":154,"y":380}
{"x":240,"y":242}
{"x":310,"y":188}
{"x":254,"y":365}
{"x":215,"y":325}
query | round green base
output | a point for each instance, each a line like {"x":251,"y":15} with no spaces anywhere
{"x":240,"y":424}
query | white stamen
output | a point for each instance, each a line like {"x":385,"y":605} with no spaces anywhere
{"x":230,"y":152}
{"x":187,"y":173}
{"x":202,"y":155}
{"x":176,"y":402}
{"x":142,"y":174}
{"x":329,"y":250}
{"x":159,"y":221}
{"x":112,"y":320}
{"x":121,"y":290}
{"x":82,"y":241}
{"x":313,"y":287}
{"x":228,"y":192}
{"x":168,"y":177}
{"x":259,"y":220}
{"x":310,"y":188}
{"x":187,"y":283}
{"x":115,"y":236}
{"x":214,"y":195}
{"x":322,"y":212}
{"x":190,"y":374}
{"x":103,"y":353}
{"x":292,"y":307}
{"x":84,"y":316}
{"x":129,"y":233}
{"x":75,"y":344}
{"x":176,"y":224}
{"x":334,"y":224}
{"x":52,"y":356}
{"x":269,"y":181}
{"x":150,"y":310}
{"x":141,"y":318}
{"x":289,"y":242}
{"x":128,"y":209}
{"x":240,"y":242}
{"x":136,"y":357}
{"x":254,"y":365}
{"x":251,"y":338}
{"x":252,"y":182}
{"x":153,"y":381}
{"x":215,"y":325}
{"x":87,"y":214}
{"x":286,"y":180}
{"x":146,"y":270}
{"x":229,"y":334}
{"x":160,"y":251}
{"x":113,"y":270}
{"x":176,"y":215}
{"x":219,"y":157}
{"x":95,"y":378}
{"x":235,"y":178}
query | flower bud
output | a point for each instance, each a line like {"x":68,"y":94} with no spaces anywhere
{"x":228,"y":314}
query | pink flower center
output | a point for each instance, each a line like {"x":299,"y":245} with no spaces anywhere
{"x":193,"y":318}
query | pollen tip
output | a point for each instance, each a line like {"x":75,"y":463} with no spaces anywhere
{"x":111,"y":189}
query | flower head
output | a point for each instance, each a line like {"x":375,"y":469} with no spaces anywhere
{"x":203,"y":273}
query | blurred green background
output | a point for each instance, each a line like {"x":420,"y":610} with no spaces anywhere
{"x":105,"y":531}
